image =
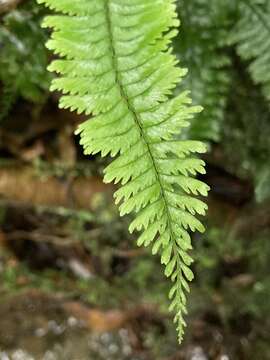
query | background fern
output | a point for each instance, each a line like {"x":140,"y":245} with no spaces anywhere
{"x":250,"y":119}
{"x":121,"y":70}
{"x":213,"y":26}
{"x":205,"y":25}
{"x":252,"y":37}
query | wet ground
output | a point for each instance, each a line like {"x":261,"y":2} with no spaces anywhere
{"x":38,"y":329}
{"x":34,"y":326}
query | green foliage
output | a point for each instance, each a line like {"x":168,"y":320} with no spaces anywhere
{"x":7,"y":97}
{"x":23,"y":57}
{"x":248,"y":124}
{"x":252,"y":36}
{"x":245,"y":258}
{"x":201,"y":48}
{"x":118,"y":66}
{"x":210,"y":30}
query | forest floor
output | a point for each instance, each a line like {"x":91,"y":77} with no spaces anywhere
{"x":73,"y":284}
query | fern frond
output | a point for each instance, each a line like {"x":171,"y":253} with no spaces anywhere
{"x":205,"y":25}
{"x":118,"y":66}
{"x":252,"y":36}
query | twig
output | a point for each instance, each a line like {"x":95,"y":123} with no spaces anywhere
{"x":40,"y":237}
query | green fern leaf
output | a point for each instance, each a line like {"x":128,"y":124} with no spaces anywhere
{"x":252,"y":36}
{"x":118,"y":66}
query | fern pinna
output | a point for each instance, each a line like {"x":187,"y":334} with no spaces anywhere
{"x":118,"y":66}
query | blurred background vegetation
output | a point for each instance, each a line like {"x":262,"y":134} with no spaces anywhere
{"x":73,"y":285}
